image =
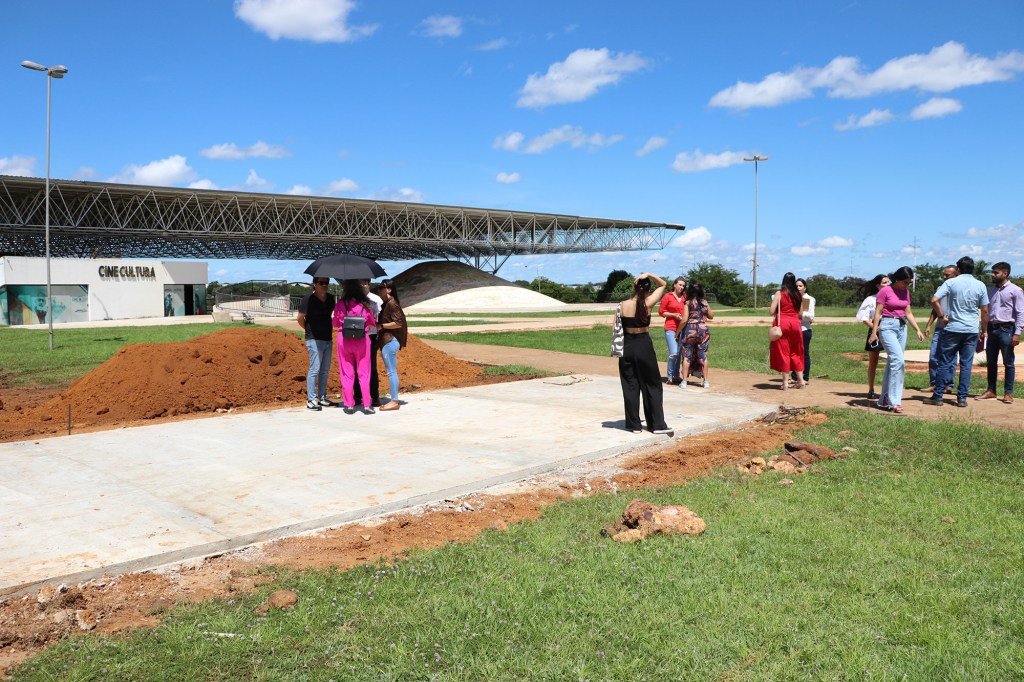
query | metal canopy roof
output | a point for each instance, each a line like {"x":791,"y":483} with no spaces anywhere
{"x":103,"y":220}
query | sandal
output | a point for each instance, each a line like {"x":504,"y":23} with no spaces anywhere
{"x":898,"y":409}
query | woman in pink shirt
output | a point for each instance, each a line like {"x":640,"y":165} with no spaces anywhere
{"x":673,"y":309}
{"x":892,"y":313}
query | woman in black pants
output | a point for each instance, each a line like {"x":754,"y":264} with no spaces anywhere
{"x":639,"y":372}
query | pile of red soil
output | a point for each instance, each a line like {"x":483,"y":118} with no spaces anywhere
{"x":231,"y":368}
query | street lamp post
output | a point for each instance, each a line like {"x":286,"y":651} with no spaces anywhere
{"x":51,"y":72}
{"x":757,"y":159}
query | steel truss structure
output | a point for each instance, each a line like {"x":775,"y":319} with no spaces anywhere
{"x":102,"y":220}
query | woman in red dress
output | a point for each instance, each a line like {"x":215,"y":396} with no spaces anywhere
{"x":787,"y":353}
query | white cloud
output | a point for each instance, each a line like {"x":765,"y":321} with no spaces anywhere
{"x":697,"y":161}
{"x":509,"y":142}
{"x":944,"y":69}
{"x":221,"y":272}
{"x":991,"y":232}
{"x":18,"y":165}
{"x":341,"y":186}
{"x":571,"y":135}
{"x":495,"y":44}
{"x":508,"y":178}
{"x":442,"y":26}
{"x":203,"y":184}
{"x":255,"y":182}
{"x":880,"y":254}
{"x":231,"y":151}
{"x":84,"y":173}
{"x":574,"y":136}
{"x":652,"y":143}
{"x":835,"y":242}
{"x":937,"y":107}
{"x":695,"y":238}
{"x":875,"y":117}
{"x":806,"y":250}
{"x":173,"y":170}
{"x":579,"y":77}
{"x":908,"y":250}
{"x":406,"y":194}
{"x":304,"y":190}
{"x":317,"y":20}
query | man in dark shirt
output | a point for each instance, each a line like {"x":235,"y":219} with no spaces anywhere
{"x":315,"y":311}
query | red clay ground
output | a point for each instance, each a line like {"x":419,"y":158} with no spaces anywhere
{"x":243,"y":368}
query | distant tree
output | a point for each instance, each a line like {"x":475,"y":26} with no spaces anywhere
{"x":614,"y":278}
{"x":724,"y":283}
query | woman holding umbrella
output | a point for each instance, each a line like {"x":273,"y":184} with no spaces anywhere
{"x":352,"y":315}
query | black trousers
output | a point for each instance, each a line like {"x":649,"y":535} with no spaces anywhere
{"x":807,"y":356}
{"x":374,"y":380}
{"x":640,"y":377}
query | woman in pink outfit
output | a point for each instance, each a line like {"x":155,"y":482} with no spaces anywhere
{"x":354,"y":354}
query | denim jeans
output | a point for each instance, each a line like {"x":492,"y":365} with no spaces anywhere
{"x":933,"y":358}
{"x":673,"y":353}
{"x":893,"y":337}
{"x":999,"y":340}
{"x":319,"y":368}
{"x":952,"y":343}
{"x":389,"y":352}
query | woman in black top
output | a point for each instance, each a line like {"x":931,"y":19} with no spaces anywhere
{"x":639,"y":373}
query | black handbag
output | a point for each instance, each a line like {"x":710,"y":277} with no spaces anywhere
{"x":353,"y":326}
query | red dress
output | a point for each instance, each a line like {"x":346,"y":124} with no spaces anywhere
{"x":787,"y":354}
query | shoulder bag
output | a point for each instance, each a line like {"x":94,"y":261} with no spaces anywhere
{"x":775,"y":331}
{"x":353,"y":326}
{"x":618,"y":337}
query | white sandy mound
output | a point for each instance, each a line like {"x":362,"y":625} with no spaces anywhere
{"x":450,"y":286}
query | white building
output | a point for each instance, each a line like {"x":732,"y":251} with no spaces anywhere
{"x":100,"y":289}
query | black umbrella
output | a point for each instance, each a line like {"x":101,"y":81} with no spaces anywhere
{"x":344,"y":266}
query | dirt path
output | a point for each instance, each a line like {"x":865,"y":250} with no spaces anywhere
{"x":762,"y":387}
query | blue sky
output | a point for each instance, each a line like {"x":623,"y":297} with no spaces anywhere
{"x":883,"y":122}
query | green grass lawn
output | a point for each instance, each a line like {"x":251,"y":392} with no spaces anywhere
{"x":551,"y":313}
{"x":26,"y":358}
{"x":739,"y":348}
{"x":901,"y":562}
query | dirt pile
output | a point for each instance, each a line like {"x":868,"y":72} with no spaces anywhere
{"x":796,"y":457}
{"x":241,"y":367}
{"x":641,"y":519}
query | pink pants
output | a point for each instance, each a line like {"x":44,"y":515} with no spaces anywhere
{"x":353,"y":361}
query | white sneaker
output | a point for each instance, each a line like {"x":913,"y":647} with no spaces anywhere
{"x":683,"y":385}
{"x":707,"y":384}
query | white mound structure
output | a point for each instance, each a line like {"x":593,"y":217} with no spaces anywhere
{"x":453,"y":287}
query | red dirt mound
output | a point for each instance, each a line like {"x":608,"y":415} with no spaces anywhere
{"x":231,"y":368}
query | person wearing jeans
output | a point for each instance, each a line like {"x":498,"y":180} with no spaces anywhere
{"x":673,"y":309}
{"x":314,"y":317}
{"x":1005,"y":323}
{"x":394,"y":333}
{"x":892,"y":315}
{"x":966,"y":312}
{"x":948,"y":272}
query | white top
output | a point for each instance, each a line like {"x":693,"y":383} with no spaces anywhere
{"x":376,"y":303}
{"x":807,"y":317}
{"x":866,"y":312}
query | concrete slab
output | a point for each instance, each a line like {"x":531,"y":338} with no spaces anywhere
{"x":133,"y":499}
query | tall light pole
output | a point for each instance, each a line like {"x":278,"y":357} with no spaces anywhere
{"x":757,"y":159}
{"x":51,"y":72}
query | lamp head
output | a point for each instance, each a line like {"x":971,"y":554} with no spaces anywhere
{"x":32,"y":65}
{"x":57,"y":71}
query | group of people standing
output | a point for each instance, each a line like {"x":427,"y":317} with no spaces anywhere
{"x":967,"y":317}
{"x":686,"y":312}
{"x":382,"y":328}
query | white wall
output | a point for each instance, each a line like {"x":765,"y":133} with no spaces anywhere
{"x":110,"y":298}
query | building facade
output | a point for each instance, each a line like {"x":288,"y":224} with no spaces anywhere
{"x":99,"y":289}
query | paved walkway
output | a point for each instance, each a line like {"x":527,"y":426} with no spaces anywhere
{"x":132,"y":499}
